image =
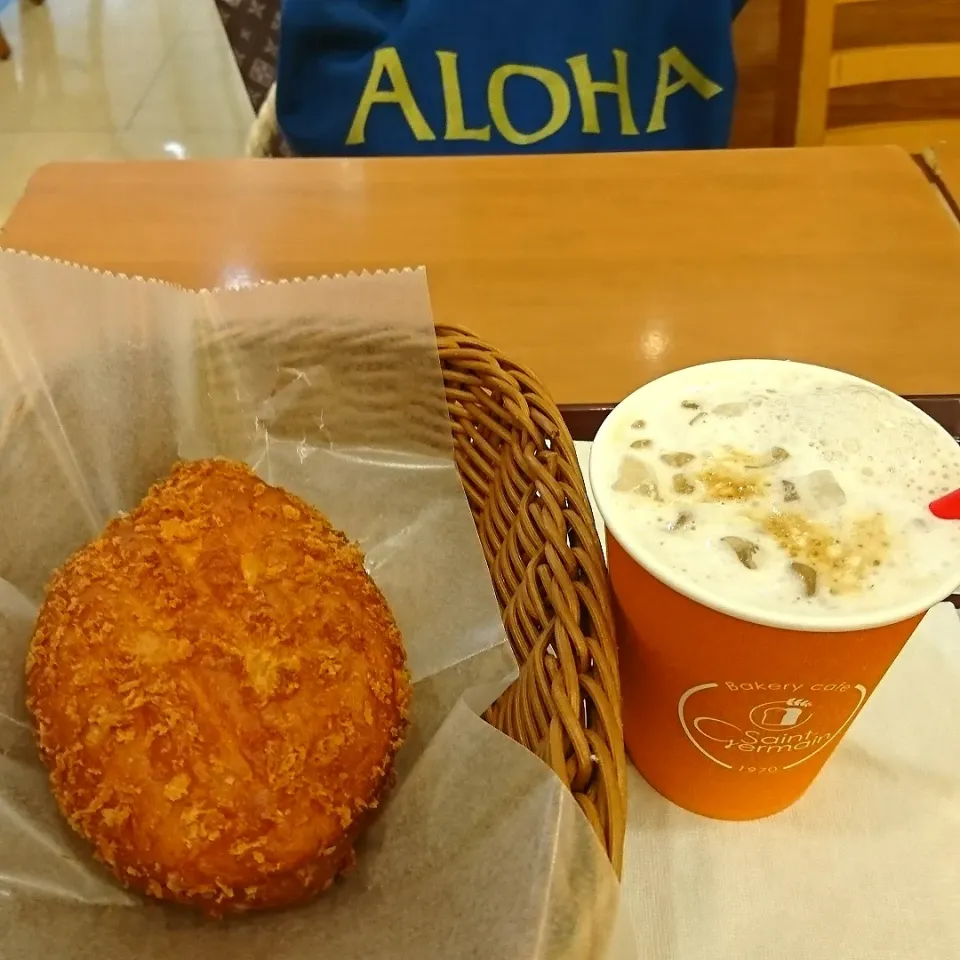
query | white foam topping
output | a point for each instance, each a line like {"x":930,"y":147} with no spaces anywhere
{"x":782,"y":493}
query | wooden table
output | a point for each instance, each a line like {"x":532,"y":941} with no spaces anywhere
{"x":599,"y":272}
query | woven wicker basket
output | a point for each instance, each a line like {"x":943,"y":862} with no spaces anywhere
{"x":521,"y":476}
{"x":520,"y":473}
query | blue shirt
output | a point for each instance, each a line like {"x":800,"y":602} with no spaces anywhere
{"x":414,"y":77}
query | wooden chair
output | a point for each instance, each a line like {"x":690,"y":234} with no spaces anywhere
{"x":4,"y":46}
{"x":810,"y":67}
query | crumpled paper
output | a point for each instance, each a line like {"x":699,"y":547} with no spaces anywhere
{"x":331,"y":388}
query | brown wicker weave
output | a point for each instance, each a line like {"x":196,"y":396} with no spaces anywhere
{"x":521,"y":476}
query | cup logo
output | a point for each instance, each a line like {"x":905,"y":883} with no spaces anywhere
{"x":781,"y":713}
{"x":761,"y":727}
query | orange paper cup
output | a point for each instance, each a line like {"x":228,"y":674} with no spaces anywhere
{"x":729,"y":714}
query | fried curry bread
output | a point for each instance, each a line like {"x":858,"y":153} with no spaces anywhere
{"x":219,"y":690}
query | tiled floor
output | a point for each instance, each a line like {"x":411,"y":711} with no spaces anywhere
{"x":113,"y":79}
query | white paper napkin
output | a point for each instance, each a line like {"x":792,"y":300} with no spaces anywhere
{"x":866,"y":866}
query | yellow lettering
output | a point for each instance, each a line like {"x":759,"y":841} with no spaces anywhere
{"x":559,"y":102}
{"x":690,"y":76}
{"x":386,"y":60}
{"x":588,"y":88}
{"x":453,"y":102}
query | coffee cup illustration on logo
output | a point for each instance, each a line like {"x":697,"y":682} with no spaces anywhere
{"x":781,"y":713}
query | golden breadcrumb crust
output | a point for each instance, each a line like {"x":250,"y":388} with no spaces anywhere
{"x":219,"y":690}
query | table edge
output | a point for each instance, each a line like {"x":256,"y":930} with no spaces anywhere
{"x":583,"y":419}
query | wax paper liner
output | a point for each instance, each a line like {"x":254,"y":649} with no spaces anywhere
{"x":331,"y":388}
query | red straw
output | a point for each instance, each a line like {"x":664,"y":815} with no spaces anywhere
{"x":948,"y":507}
